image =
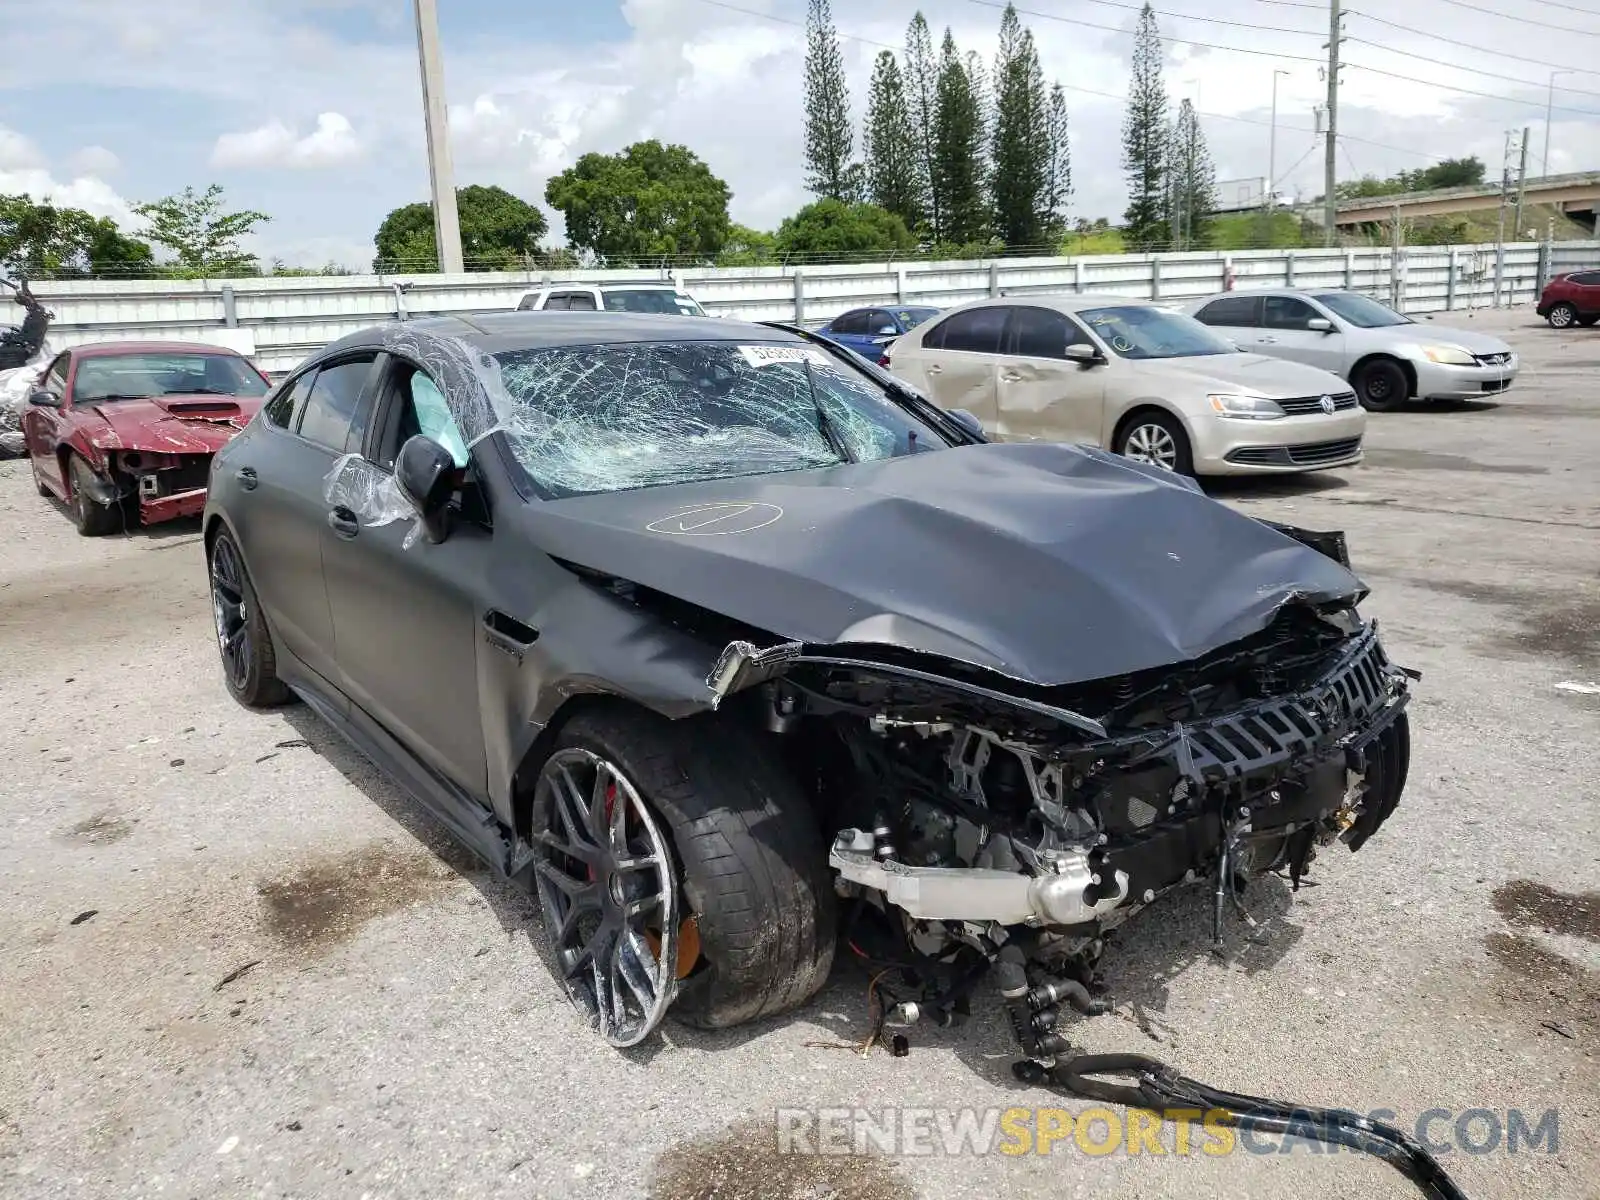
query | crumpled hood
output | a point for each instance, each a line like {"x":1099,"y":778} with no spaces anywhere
{"x":167,"y":424}
{"x":1049,"y":563}
{"x":1249,"y":374}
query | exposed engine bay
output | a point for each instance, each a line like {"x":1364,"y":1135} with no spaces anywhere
{"x":1024,"y":827}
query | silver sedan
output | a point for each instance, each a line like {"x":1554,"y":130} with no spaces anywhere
{"x":1387,"y":357}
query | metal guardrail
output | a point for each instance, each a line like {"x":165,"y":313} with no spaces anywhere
{"x":291,"y":316}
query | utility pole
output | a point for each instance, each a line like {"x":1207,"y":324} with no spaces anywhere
{"x":436,"y":116}
{"x":1268,"y":200}
{"x":1330,"y":166}
{"x":1549,"y":110}
{"x":1500,"y":235}
{"x":1522,"y":185}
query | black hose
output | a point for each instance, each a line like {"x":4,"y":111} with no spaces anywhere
{"x":1174,"y":1096}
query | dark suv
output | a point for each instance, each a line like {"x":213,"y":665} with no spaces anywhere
{"x":1572,"y":299}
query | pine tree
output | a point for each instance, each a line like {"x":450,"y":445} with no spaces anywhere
{"x":1193,"y":188}
{"x":889,"y":145}
{"x":829,"y":140}
{"x":1144,"y":137}
{"x":983,"y":102}
{"x":1020,"y":162}
{"x":1058,"y":191}
{"x":922,"y":88}
{"x":958,"y":144}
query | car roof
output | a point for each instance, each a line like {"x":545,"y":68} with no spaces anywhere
{"x":606,"y":287}
{"x":1069,"y":303}
{"x":497,"y":332}
{"x":1252,"y":293}
{"x":96,"y":349}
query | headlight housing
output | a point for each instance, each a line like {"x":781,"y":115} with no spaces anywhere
{"x":1450,"y":356}
{"x":1249,"y":408}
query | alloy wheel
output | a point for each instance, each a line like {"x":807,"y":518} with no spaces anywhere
{"x":232,"y":614}
{"x":1152,"y":444}
{"x":605,"y":880}
{"x":1562,"y":315}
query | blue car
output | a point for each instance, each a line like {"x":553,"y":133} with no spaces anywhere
{"x":868,"y":330}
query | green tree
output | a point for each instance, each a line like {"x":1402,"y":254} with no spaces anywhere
{"x":649,"y":201}
{"x":829,"y":139}
{"x":748,"y":247}
{"x":1144,"y":136}
{"x":41,"y":239}
{"x":894,"y":181}
{"x":1020,"y":165}
{"x":922,"y":91}
{"x":1058,"y":192}
{"x":958,"y":144}
{"x":1193,"y":183}
{"x":830,"y":228}
{"x":201,"y":233}
{"x":499,"y":232}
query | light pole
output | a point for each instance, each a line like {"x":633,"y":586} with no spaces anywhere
{"x":1549,"y":108}
{"x":436,"y":118}
{"x":1272,"y":144}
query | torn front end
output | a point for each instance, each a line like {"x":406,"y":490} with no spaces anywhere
{"x":163,"y":486}
{"x":986,"y":816}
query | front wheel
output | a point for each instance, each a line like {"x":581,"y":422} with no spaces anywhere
{"x":1158,"y":439}
{"x":677,"y":866}
{"x":1563,"y":316}
{"x":249,"y":660}
{"x":92,"y":518}
{"x":1381,"y":385}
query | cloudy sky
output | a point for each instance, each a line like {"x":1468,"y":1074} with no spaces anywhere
{"x":310,"y":110}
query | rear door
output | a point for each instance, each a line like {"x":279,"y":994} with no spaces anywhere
{"x":956,"y":362}
{"x":1284,"y":333}
{"x":1586,"y":291}
{"x":1042,"y":395}
{"x":849,"y":330}
{"x":276,"y":505}
{"x":1236,"y":317}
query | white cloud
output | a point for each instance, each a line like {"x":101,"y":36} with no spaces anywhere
{"x":93,"y":196}
{"x":332,"y":143}
{"x":94,"y":160}
{"x":17,"y":152}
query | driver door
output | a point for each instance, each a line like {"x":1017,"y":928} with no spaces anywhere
{"x":41,"y":426}
{"x":1042,"y":395}
{"x":406,"y":619}
{"x":1284,"y":333}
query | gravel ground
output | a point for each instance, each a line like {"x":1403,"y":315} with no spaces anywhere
{"x":235,"y":961}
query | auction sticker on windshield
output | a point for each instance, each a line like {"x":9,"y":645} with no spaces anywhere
{"x":766,"y":356}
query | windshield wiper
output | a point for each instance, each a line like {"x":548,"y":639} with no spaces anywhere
{"x":825,"y":425}
{"x":200,"y":391}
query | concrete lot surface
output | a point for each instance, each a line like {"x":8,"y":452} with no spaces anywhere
{"x":292,"y":985}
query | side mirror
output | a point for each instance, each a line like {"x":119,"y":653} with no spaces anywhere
{"x":43,"y":399}
{"x":424,"y":473}
{"x":1082,"y":352}
{"x":967,"y":421}
{"x":1320,"y":325}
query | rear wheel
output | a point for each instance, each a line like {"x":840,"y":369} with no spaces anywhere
{"x":92,"y":518}
{"x":1381,"y":385}
{"x":1563,"y":315}
{"x":1158,"y":439}
{"x":678,"y":867}
{"x":249,"y":661}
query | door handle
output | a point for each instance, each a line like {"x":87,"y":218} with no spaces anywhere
{"x":935,"y":369}
{"x":1010,"y":377}
{"x":247,"y":478}
{"x":343,"y":522}
{"x":1267,"y":341}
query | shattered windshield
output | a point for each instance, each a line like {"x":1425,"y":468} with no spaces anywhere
{"x":138,"y":376}
{"x":1137,"y":331}
{"x":651,"y":300}
{"x":614,"y":417}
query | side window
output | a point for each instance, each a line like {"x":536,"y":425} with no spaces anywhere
{"x":580,"y":302}
{"x":1042,"y":333}
{"x":850,"y":322}
{"x":880,"y":323}
{"x":288,"y":400}
{"x":528,"y":302}
{"x":423,"y":410}
{"x":55,"y":379}
{"x":1231,"y":312}
{"x":977,"y":330}
{"x":557,"y":303}
{"x":1586,"y":278}
{"x":330,"y":407}
{"x":1285,"y":312}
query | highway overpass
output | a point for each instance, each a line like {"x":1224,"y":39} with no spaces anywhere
{"x":1576,"y":195}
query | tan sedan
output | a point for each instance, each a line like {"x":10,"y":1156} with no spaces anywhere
{"x":1133,"y":377}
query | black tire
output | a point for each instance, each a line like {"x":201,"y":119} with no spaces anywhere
{"x":1562,"y":316}
{"x":1381,"y":385}
{"x":92,"y":518}
{"x":1589,"y":320}
{"x":1137,"y":438}
{"x":38,"y":480}
{"x":250,"y":670}
{"x":751,"y":862}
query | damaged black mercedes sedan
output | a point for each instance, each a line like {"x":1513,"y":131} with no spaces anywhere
{"x":705,"y":630}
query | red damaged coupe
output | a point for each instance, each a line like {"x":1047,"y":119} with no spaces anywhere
{"x":123,"y":428}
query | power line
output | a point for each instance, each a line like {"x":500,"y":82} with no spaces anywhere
{"x":1523,"y":19}
{"x":1122,"y":4}
{"x":1475,"y":70}
{"x":1588,"y":12}
{"x":1538,"y":62}
{"x":1449,"y":87}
